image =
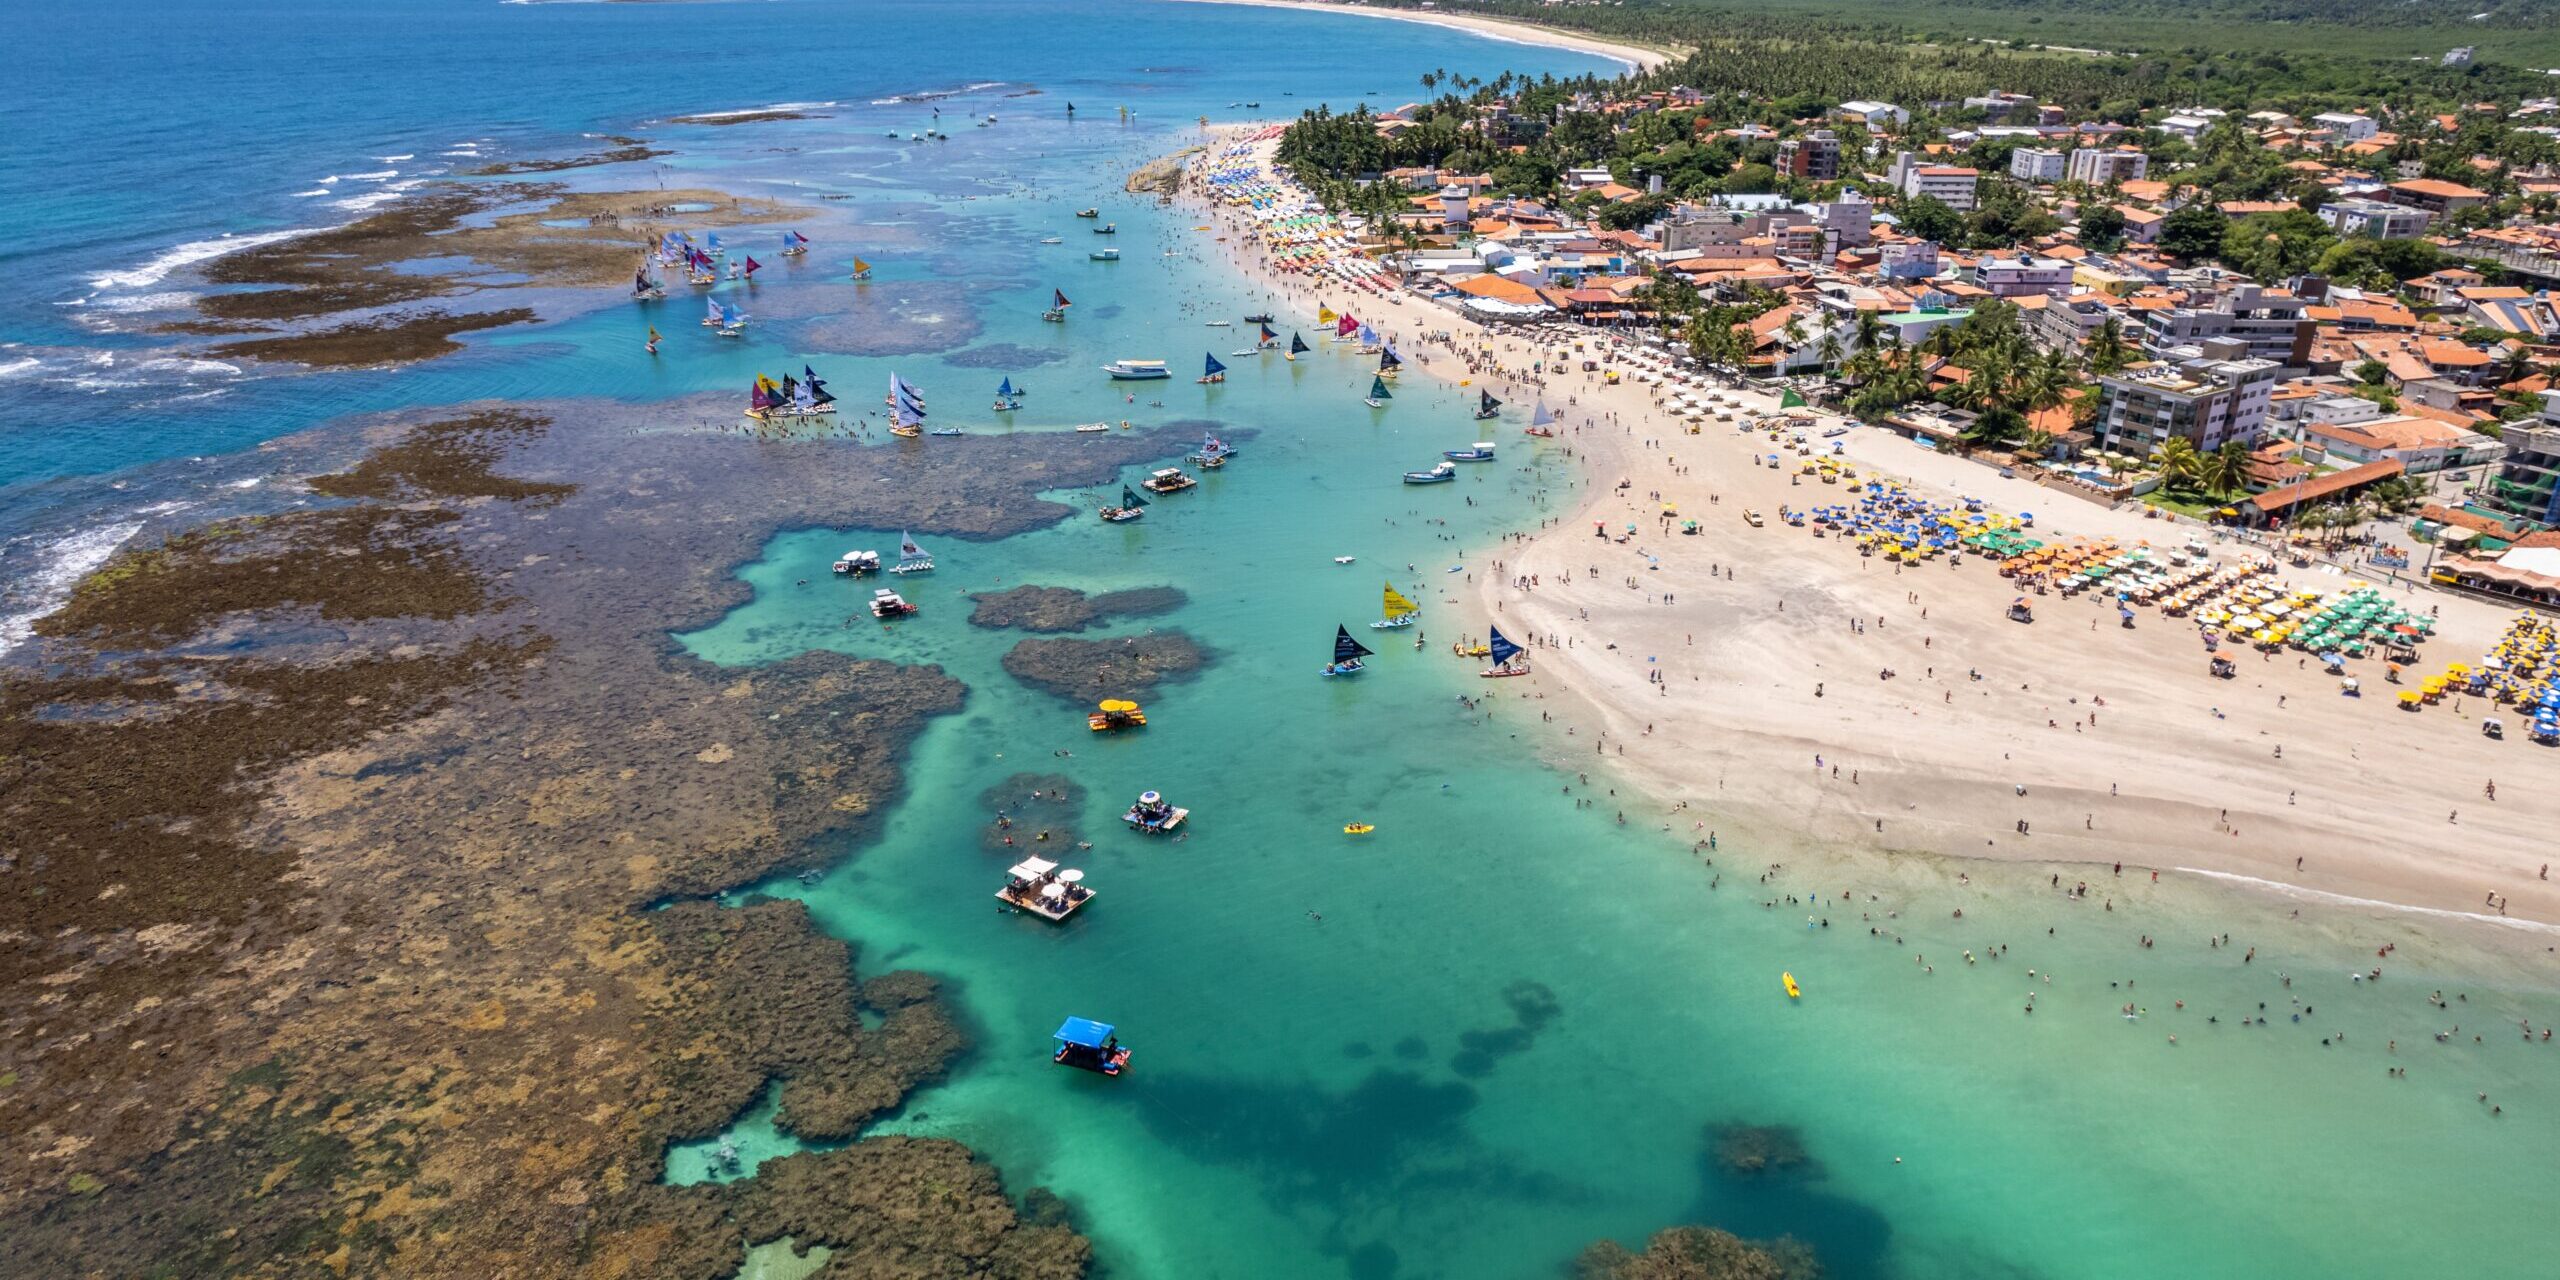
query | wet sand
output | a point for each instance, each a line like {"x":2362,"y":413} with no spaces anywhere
{"x":1637,"y":57}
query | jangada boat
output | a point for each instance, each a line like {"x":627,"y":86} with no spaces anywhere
{"x":1007,"y":398}
{"x":794,"y":244}
{"x":1439,"y":474}
{"x":1094,"y":1046}
{"x":1167,"y":480}
{"x":1378,"y":394}
{"x":889,"y":604}
{"x":1399,"y":612}
{"x":1153,"y":816}
{"x":1131,"y":507}
{"x":906,"y":408}
{"x":1347,"y":654}
{"x":1214,"y":372}
{"x":1543,"y":423}
{"x":858,"y":564}
{"x":1486,"y":406}
{"x":1058,"y":304}
{"x":1508,"y":659}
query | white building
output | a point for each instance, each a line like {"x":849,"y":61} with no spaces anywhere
{"x":2207,"y":395}
{"x":1873,"y":113}
{"x":2036,"y":164}
{"x":2019,"y":277}
{"x":2107,"y":166}
{"x":2184,"y":125}
{"x":2378,"y":219}
{"x":2346,"y":127}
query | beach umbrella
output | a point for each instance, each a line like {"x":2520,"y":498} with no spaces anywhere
{"x":1053,"y":890}
{"x":1071,"y":875}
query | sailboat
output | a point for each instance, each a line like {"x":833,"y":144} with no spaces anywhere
{"x":1324,"y":315}
{"x":912,"y":558}
{"x":1131,"y":507}
{"x":1487,"y":406}
{"x":710,"y":313}
{"x":1006,"y":401}
{"x":1297,"y":346}
{"x":820,"y":399}
{"x":1544,"y":424}
{"x":1213,"y":454}
{"x":1378,"y":395}
{"x":1347,"y":654}
{"x":1215,"y":372}
{"x":1346,"y":330}
{"x":1058,"y":304}
{"x":653,"y":339}
{"x":752,"y":268}
{"x":1270,"y":339}
{"x":1503,"y":654}
{"x":644,"y":285}
{"x":906,"y":409}
{"x":698,"y":267}
{"x":1389,"y":363}
{"x":732,"y":324}
{"x":711,"y":246}
{"x":861,"y":269}
{"x":794,"y":244}
{"x":1369,"y":343}
{"x":1399,"y":611}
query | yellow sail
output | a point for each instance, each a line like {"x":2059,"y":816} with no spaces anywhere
{"x":1324,"y":315}
{"x":1397,"y":606}
{"x":860,"y":265}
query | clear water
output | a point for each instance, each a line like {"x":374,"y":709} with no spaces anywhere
{"x":1515,"y":1019}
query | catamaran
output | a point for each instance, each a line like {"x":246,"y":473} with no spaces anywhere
{"x":1508,"y":659}
{"x":1347,"y":654}
{"x":912,"y":558}
{"x":861,"y":269}
{"x":1007,"y":399}
{"x":1378,"y":394}
{"x":1215,"y":372}
{"x":1481,"y":452}
{"x":1544,"y":423}
{"x":1131,"y":507}
{"x":1137,"y":370}
{"x":858,"y":564}
{"x":1389,"y":363}
{"x":1297,"y":347}
{"x":1399,"y":612}
{"x":1487,"y":407}
{"x":1058,"y":304}
{"x":794,"y":244}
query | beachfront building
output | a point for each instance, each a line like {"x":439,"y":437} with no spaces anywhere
{"x":2106,"y":166}
{"x":2420,"y":445}
{"x":2206,"y":394}
{"x":2036,"y":164}
{"x":2527,"y":486}
{"x":2376,"y":219}
{"x":2271,"y":324}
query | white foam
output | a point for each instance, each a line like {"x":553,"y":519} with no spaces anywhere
{"x":133,"y":302}
{"x":373,"y":177}
{"x":381,"y":195}
{"x":396,"y":159}
{"x":61,"y":564}
{"x":19,"y":367}
{"x":315,"y":191}
{"x":2342,"y":900}
{"x":193,"y":251}
{"x":186,"y":368}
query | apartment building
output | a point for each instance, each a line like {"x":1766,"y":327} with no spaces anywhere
{"x":2106,"y":166}
{"x":1953,"y":184}
{"x":2375,"y":219}
{"x":2207,"y":394}
{"x":2272,"y":326}
{"x":2036,"y":164}
{"x":1814,"y":157}
{"x":2020,"y":276}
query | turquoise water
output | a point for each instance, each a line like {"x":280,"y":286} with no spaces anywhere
{"x":1515,"y":1019}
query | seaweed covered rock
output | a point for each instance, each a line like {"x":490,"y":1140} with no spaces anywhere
{"x":1081,"y":671}
{"x":1030,"y":608}
{"x":1698,"y":1253}
{"x":1752,"y":1149}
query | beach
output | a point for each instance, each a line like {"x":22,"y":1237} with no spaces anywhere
{"x":1633,"y":57}
{"x":1716,"y":669}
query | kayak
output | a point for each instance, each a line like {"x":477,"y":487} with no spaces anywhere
{"x":1357,"y":828}
{"x":1790,"y":980}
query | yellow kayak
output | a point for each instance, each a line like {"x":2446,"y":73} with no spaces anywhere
{"x":1792,"y":990}
{"x":1357,"y":828}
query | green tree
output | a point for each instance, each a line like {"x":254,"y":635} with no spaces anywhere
{"x":2193,"y":232}
{"x":1930,"y":218}
{"x":2101,"y":227}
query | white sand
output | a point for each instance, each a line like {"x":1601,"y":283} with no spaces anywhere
{"x":1634,"y":57}
{"x":2361,"y":794}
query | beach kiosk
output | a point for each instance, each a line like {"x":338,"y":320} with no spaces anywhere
{"x":1038,"y":886}
{"x":1090,"y":1045}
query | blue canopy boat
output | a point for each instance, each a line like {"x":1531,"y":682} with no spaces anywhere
{"x":1347,"y":654}
{"x":1093,"y":1046}
{"x":1213,"y":454}
{"x":1214,"y":372}
{"x":1007,"y":399}
{"x":1503,"y":653}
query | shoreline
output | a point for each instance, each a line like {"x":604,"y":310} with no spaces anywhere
{"x":2373,"y":839}
{"x":1635,"y":58}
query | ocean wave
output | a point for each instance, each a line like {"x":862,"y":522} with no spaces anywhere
{"x":315,"y":191}
{"x":383,"y":176}
{"x":127,"y":304}
{"x":381,"y":195}
{"x":60,"y":564}
{"x":396,"y":159}
{"x":936,"y":95}
{"x":19,"y":366}
{"x":188,"y":254}
{"x":757,"y":111}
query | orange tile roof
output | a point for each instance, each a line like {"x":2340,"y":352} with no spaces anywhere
{"x":2435,"y":187}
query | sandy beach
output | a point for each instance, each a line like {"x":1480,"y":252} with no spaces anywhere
{"x":1635,"y":57}
{"x":1739,"y":673}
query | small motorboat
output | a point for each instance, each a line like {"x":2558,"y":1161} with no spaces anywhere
{"x":889,"y":604}
{"x":1219,"y":324}
{"x":1088,"y":213}
{"x":858,"y":564}
{"x":1053,"y":240}
{"x":1167,"y":480}
{"x":1482,"y":452}
{"x":1104,"y":255}
{"x":1153,"y":816}
{"x":1440,"y":474}
{"x":1344,"y":559}
{"x":1107,"y":229}
{"x":1092,"y":1046}
{"x":1262,"y":318}
{"x":1092,"y":428}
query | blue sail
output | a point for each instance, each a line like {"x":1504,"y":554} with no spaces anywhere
{"x":1368,"y":336}
{"x":1388,"y":359}
{"x":1214,"y":368}
{"x":728,"y":315}
{"x":1004,"y":389}
{"x":1501,"y":646}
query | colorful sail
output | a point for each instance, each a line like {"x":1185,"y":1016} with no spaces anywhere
{"x":1324,"y":315}
{"x":817,"y":389}
{"x":712,"y":241}
{"x":728,"y":316}
{"x":1397,"y":606}
{"x":1346,"y":327}
{"x":1004,"y":389}
{"x":1368,"y":336}
{"x":1345,"y":648}
{"x":1388,"y":360}
{"x":1214,"y":368}
{"x":1543,"y":418}
{"x":711,"y":310}
{"x":1503,"y":649}
{"x":753,"y":266}
{"x":653,"y":333}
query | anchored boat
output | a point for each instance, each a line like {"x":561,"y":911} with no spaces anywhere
{"x":1112,"y":714}
{"x":1152,"y":815}
{"x":1137,"y":370}
{"x":1439,"y":474}
{"x":1167,"y":480}
{"x":1104,"y":255}
{"x":1038,"y":886}
{"x":1297,"y":346}
{"x":912,"y":558}
{"x":1378,"y":394}
{"x":906,"y":408}
{"x":1213,"y":454}
{"x":1007,"y":399}
{"x":858,"y":564}
{"x":1347,"y":654}
{"x":1094,"y":1046}
{"x":1508,"y":659}
{"x":1482,"y":452}
{"x":1486,"y":406}
{"x":889,"y":604}
{"x":1058,"y":304}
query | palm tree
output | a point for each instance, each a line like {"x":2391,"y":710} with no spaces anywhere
{"x":2037,"y":442}
{"x":1871,"y":330}
{"x":2106,"y":347}
{"x":2178,"y":460}
{"x":2225,"y":471}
